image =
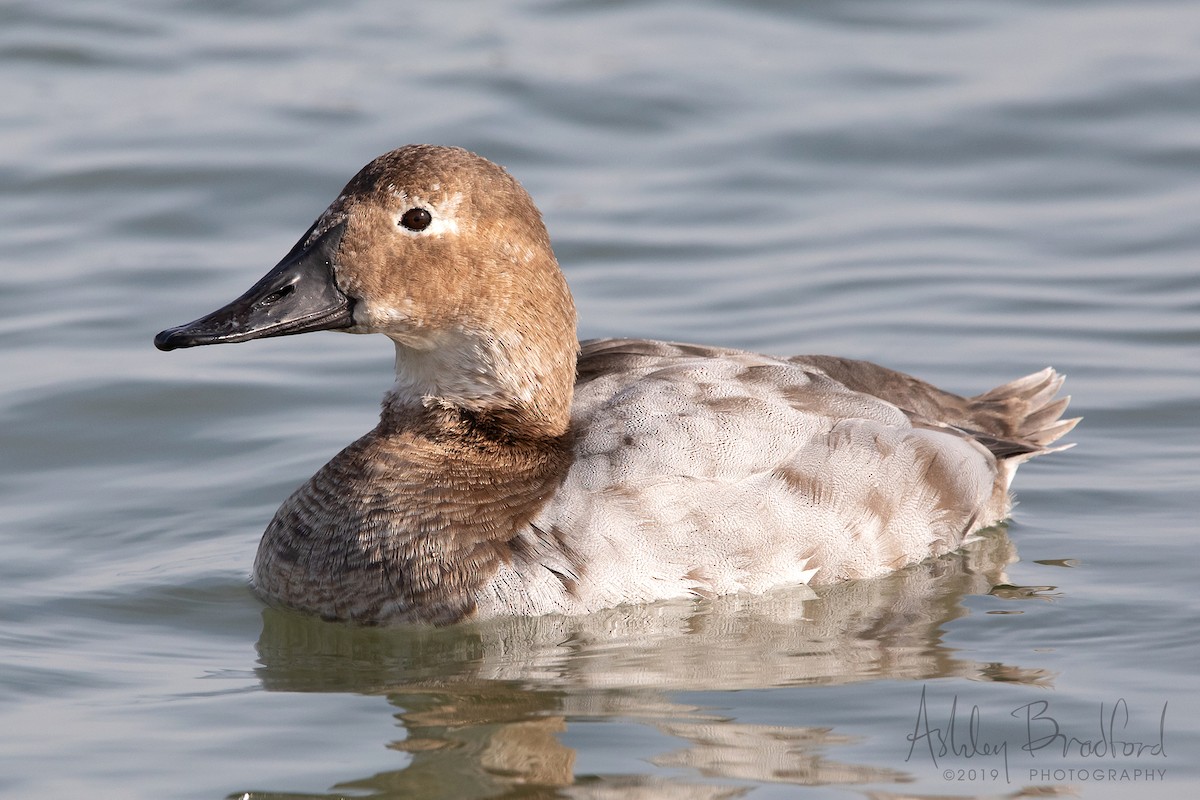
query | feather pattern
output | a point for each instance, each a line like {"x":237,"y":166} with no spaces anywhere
{"x":707,"y":471}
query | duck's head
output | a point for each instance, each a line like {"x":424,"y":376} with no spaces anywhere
{"x":446,"y":254}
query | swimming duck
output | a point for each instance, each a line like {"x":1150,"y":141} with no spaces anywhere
{"x":515,"y":470}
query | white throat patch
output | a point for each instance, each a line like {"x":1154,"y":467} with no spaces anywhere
{"x":459,"y":368}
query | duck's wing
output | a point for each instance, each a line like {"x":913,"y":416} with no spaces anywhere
{"x":1022,"y":417}
{"x":1019,"y":417}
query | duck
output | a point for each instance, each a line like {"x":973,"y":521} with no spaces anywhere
{"x":518,"y":471}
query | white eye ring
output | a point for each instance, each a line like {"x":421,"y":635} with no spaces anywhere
{"x":422,"y":216}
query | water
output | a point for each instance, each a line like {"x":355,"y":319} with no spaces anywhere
{"x":967,"y":191}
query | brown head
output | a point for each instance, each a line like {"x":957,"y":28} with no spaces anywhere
{"x":446,"y":254}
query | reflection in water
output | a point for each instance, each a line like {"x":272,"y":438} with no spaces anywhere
{"x":790,"y":754}
{"x":485,"y":707}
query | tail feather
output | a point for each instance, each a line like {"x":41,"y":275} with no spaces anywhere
{"x":1039,"y":423}
{"x":1027,"y":410}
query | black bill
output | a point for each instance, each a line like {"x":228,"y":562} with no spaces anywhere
{"x":300,"y":294}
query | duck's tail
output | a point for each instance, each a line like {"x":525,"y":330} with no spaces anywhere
{"x":1026,"y":411}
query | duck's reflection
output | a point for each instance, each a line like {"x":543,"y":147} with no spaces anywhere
{"x":487,"y":708}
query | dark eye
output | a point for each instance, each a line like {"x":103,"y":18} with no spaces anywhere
{"x":416,"y":219}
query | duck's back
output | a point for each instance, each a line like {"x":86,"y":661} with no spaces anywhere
{"x":701,"y":471}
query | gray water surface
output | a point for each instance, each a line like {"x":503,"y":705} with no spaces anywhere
{"x":967,"y":191}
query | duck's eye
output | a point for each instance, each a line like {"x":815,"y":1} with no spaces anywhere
{"x":416,"y":219}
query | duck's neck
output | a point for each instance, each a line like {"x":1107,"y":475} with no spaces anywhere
{"x":526,"y":378}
